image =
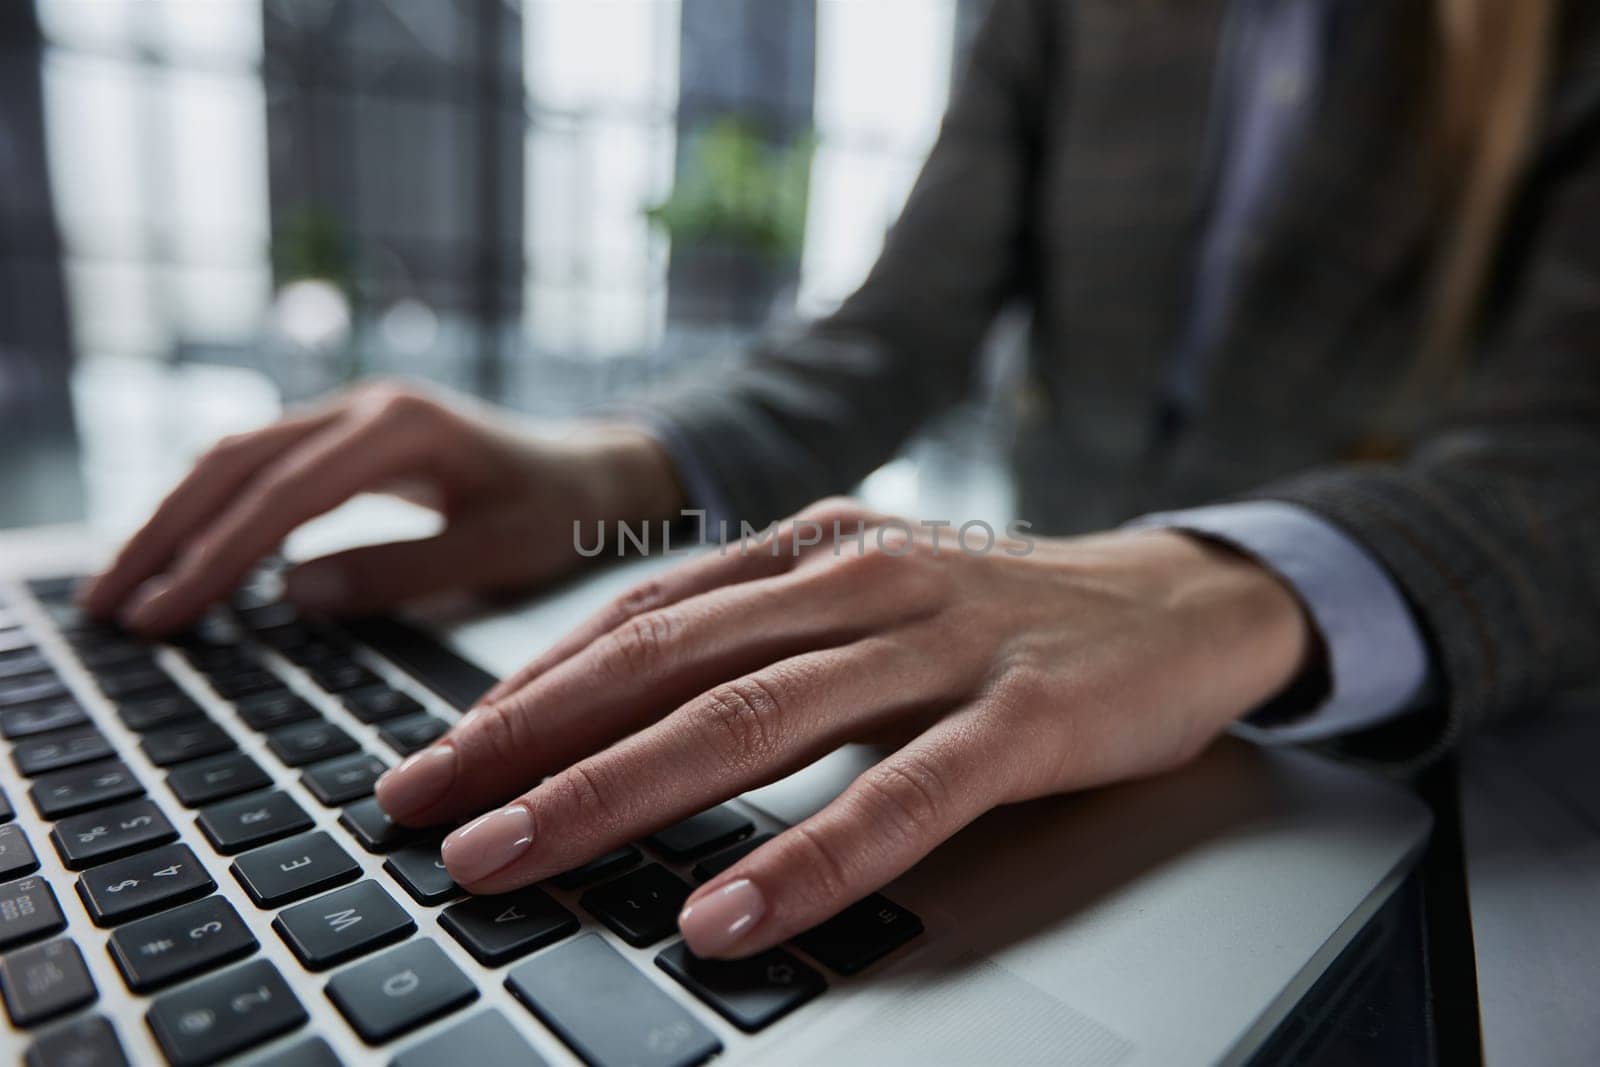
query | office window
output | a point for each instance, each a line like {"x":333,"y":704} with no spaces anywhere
{"x":602,"y":84}
{"x":883,"y":77}
{"x":157,"y":148}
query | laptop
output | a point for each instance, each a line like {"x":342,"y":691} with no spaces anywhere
{"x":192,"y":870}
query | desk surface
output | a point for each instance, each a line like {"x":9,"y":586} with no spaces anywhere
{"x":1530,"y":808}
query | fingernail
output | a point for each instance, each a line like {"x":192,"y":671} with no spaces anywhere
{"x":718,"y":921}
{"x":317,"y":586}
{"x":144,"y":607}
{"x":419,"y":783}
{"x":488,"y":843}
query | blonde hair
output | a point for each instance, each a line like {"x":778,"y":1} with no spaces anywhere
{"x":1494,"y":58}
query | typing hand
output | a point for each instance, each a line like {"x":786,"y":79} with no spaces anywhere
{"x":508,"y":501}
{"x":995,"y":678}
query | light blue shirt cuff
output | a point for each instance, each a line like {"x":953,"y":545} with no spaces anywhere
{"x":1378,"y":663}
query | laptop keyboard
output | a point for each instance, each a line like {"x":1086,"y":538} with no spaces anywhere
{"x":270,"y":833}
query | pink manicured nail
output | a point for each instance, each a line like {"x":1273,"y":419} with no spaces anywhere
{"x":716,"y":922}
{"x":145,"y":606}
{"x":419,"y":783}
{"x":488,"y":843}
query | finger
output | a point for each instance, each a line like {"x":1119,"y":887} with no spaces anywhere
{"x":890,"y":817}
{"x":326,"y":470}
{"x":199,"y":497}
{"x":628,"y":679}
{"x":739,"y":735}
{"x":728,"y":564}
{"x":478,"y":552}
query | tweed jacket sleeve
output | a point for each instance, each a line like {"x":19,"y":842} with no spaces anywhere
{"x":1491,"y":525}
{"x":829,"y":403}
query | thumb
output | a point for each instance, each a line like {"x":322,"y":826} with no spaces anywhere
{"x":467,"y":555}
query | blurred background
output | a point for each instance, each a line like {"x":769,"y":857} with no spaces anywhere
{"x":212,"y":207}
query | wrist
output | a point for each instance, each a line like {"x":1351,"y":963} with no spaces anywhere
{"x":621,"y":473}
{"x":1259,"y":636}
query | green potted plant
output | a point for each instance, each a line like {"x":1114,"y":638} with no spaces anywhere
{"x":736,"y":218}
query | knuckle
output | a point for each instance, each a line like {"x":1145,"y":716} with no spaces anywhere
{"x":583,"y":795}
{"x":646,"y":596}
{"x":226,"y":448}
{"x":827,"y":870}
{"x":495,"y":728}
{"x":743,"y":722}
{"x":829,"y":509}
{"x":906,"y":795}
{"x":639,"y":645}
{"x":397,"y":402}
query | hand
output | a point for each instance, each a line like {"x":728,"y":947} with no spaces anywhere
{"x":999,"y":677}
{"x":508,"y":501}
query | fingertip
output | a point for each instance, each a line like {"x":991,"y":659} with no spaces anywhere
{"x":407,"y":792}
{"x":717,"y":922}
{"x":146,"y":611}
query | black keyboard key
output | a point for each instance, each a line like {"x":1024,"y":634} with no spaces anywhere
{"x":400,"y":990}
{"x":44,"y":981}
{"x":218,"y":778}
{"x":374,"y":830}
{"x":32,"y":689}
{"x":342,"y":925}
{"x":421,"y":872}
{"x":221,"y":661}
{"x":698,"y":835}
{"x":862,"y":934}
{"x":108,"y":656}
{"x":310,"y":742}
{"x":81,"y":788}
{"x":611,"y":863}
{"x":110,"y":833}
{"x":125,"y":683}
{"x":86,"y":1042}
{"x":179,"y":744}
{"x":269,"y":711}
{"x":6,"y":811}
{"x":213,"y":1018}
{"x":16,"y":854}
{"x":32,"y":719}
{"x":306,"y":1052}
{"x":233,"y":684}
{"x":53,"y":752}
{"x":608,"y":1013}
{"x":290,"y":870}
{"x":412,"y":733}
{"x":28,"y":909}
{"x":641,"y":907}
{"x":22,"y":662}
{"x":712,"y":866}
{"x":55,"y":588}
{"x":379,"y":703}
{"x":245,"y":822}
{"x":148,"y":881}
{"x":501,"y":928}
{"x":180,"y":943}
{"x":156,"y":711}
{"x":341,"y":676}
{"x":493,"y":1042}
{"x":339,"y":781}
{"x":752,"y":993}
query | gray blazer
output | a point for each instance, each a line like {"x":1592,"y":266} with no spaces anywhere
{"x":1071,"y":173}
